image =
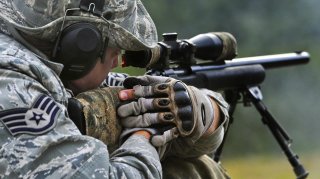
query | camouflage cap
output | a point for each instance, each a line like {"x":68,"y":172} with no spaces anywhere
{"x":126,"y":23}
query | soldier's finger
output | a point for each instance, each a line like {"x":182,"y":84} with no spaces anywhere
{"x":147,"y":119}
{"x":135,"y":108}
{"x":143,"y":91}
{"x":158,"y":90}
{"x":160,"y":140}
{"x":143,"y":105}
{"x":144,"y":80}
{"x":127,"y":94}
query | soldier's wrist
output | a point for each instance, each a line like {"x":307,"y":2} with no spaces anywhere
{"x":215,"y":121}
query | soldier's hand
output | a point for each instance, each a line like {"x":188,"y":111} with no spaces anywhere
{"x":166,"y":103}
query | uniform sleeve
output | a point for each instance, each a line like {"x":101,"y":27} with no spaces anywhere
{"x":114,"y":79}
{"x":198,"y":167}
{"x":208,"y":144}
{"x":38,"y":140}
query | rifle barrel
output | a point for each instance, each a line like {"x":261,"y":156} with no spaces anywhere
{"x":267,"y":61}
{"x":273,"y":61}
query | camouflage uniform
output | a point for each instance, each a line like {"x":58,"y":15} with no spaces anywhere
{"x":57,"y":149}
{"x":38,"y":139}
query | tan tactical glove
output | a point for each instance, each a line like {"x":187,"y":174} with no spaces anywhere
{"x":169,"y":106}
{"x":99,"y":110}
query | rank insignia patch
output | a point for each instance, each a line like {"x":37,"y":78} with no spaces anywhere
{"x":40,"y":119}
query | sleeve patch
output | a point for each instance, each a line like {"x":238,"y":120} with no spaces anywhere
{"x":39,"y":119}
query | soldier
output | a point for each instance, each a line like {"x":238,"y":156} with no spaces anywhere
{"x":53,"y":50}
{"x":38,"y":139}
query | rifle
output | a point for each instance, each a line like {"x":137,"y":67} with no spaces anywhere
{"x":203,"y":61}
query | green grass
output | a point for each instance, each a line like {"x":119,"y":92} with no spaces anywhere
{"x":130,"y":70}
{"x":270,"y":167}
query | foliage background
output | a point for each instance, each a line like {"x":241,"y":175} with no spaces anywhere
{"x":291,"y":94}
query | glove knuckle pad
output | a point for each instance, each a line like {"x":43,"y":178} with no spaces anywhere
{"x":164,"y":102}
{"x":185,"y":110}
{"x":161,"y":103}
{"x":168,"y":116}
{"x":182,"y":98}
{"x":161,"y":89}
{"x":178,"y":86}
{"x":162,"y":86}
{"x":185,"y":114}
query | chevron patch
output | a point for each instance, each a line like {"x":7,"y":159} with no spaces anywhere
{"x":40,"y":119}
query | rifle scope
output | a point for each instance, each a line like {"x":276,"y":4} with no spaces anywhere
{"x":213,"y":46}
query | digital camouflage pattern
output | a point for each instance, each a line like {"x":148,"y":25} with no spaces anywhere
{"x":61,"y":152}
{"x":126,"y":23}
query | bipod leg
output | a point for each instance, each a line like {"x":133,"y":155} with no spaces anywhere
{"x":278,"y":132}
{"x":232,"y":97}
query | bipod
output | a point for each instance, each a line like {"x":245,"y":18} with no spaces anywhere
{"x":253,"y":95}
